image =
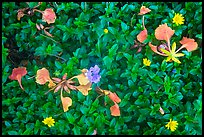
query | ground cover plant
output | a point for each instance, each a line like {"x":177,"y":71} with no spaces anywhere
{"x":105,"y":68}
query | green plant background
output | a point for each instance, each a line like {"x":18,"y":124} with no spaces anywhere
{"x":79,"y":39}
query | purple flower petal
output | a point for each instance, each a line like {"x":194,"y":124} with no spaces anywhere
{"x":93,"y":75}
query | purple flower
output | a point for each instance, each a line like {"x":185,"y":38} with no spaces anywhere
{"x":93,"y":75}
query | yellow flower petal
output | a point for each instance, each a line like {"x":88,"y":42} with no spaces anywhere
{"x":165,"y":52}
{"x":176,"y":60}
{"x":174,"y":47}
{"x":179,"y":55}
{"x":168,"y":59}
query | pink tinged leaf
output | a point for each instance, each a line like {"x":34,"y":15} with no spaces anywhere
{"x":64,"y":77}
{"x":66,"y":88}
{"x":134,"y":46}
{"x":42,"y":27}
{"x":48,"y":34}
{"x":139,"y":50}
{"x":142,"y":36}
{"x":161,"y":111}
{"x":56,"y":80}
{"x":38,"y":27}
{"x":17,"y":74}
{"x":57,"y":88}
{"x":95,"y":132}
{"x":115,"y":110}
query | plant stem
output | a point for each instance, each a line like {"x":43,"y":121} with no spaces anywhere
{"x":57,"y":56}
{"x":49,"y":38}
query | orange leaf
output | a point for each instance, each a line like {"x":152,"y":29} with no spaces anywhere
{"x":142,"y":35}
{"x":49,"y":15}
{"x":66,"y":102}
{"x":83,"y":80}
{"x":17,"y":74}
{"x":42,"y":76}
{"x":163,"y":32}
{"x":114,"y":97}
{"x":84,"y":88}
{"x":115,"y":110}
{"x":144,"y":10}
{"x":189,"y":44}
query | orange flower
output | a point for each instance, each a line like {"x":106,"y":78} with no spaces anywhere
{"x":163,"y":32}
{"x":66,"y":102}
{"x":115,"y":110}
{"x":142,"y":35}
{"x":114,"y":97}
{"x":17,"y":74}
{"x":43,"y":76}
{"x":82,"y":78}
{"x":144,"y":10}
{"x":84,"y":88}
{"x":49,"y":16}
{"x":189,"y":44}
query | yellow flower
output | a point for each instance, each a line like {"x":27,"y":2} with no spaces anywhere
{"x":178,"y":19}
{"x":146,"y":62}
{"x":49,"y":121}
{"x":105,"y":31}
{"x":172,"y":54}
{"x":172,"y":125}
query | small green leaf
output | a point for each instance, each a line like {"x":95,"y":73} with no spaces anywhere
{"x":76,"y":130}
{"x":13,"y":133}
{"x":107,"y":61}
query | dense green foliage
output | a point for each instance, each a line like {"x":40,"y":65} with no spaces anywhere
{"x":80,"y":42}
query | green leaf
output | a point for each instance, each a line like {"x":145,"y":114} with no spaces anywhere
{"x":76,"y":130}
{"x":7,"y":123}
{"x":90,"y":131}
{"x":62,"y":27}
{"x":70,"y":117}
{"x":113,"y":122}
{"x":13,"y":133}
{"x":158,"y":79}
{"x":124,"y":26}
{"x":107,"y":61}
{"x":4,"y":55}
{"x":112,"y":50}
{"x":141,"y":118}
{"x":128,"y":56}
{"x":113,"y":30}
{"x":58,"y":65}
